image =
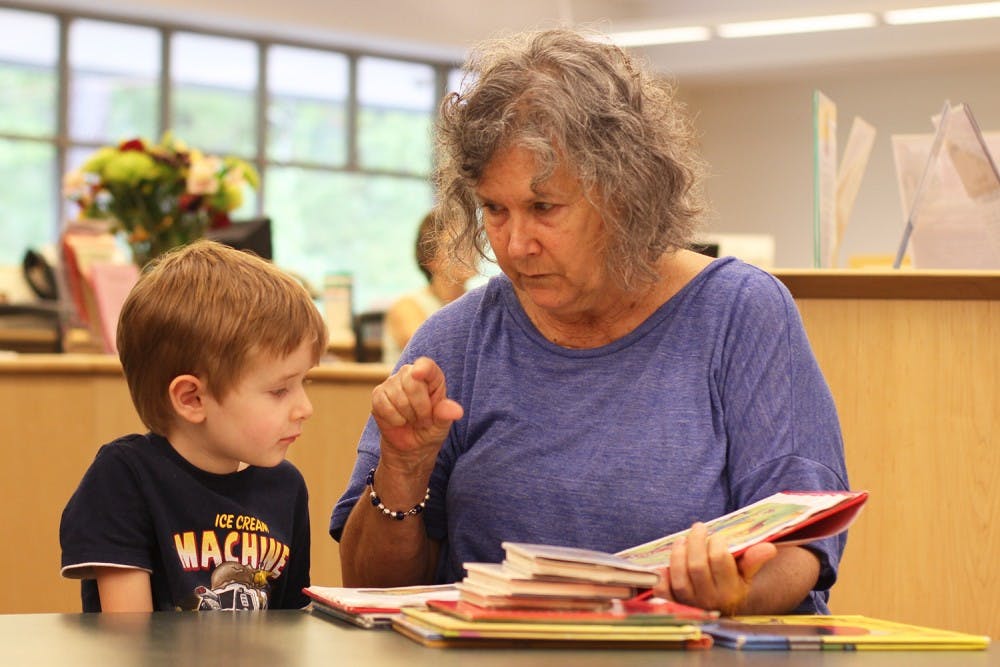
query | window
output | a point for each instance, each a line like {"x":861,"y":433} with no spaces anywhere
{"x":396,"y":105}
{"x":213,"y":84}
{"x":342,"y":140}
{"x":29,"y":98}
{"x":113,"y":98}
{"x":28,"y":75}
{"x":307,"y":112}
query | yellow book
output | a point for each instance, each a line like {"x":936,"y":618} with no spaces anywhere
{"x":433,"y":628}
{"x":838,"y":632}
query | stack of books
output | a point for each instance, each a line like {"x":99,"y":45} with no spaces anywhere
{"x":539,"y":576}
{"x":544,"y":595}
{"x":624,"y":624}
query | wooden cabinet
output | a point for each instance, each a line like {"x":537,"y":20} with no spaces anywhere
{"x":913,"y":360}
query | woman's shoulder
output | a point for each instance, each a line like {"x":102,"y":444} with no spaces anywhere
{"x":732,"y":278}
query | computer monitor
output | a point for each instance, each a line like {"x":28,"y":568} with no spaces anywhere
{"x":253,"y":235}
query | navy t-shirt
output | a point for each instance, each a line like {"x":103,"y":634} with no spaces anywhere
{"x":233,"y":541}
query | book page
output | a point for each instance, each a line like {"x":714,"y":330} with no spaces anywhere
{"x":824,"y":179}
{"x":851,"y":171}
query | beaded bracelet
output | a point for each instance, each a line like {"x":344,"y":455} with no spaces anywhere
{"x":392,"y":514}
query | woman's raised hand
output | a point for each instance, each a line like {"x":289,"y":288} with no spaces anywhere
{"x":414,"y":414}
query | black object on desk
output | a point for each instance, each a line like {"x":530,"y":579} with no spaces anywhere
{"x":31,"y":327}
{"x":368,"y":336}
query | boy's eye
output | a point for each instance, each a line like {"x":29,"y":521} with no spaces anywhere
{"x":279,"y":392}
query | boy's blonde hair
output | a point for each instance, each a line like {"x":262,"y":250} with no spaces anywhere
{"x":207,"y":310}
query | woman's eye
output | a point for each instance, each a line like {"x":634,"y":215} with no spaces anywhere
{"x":543,"y":207}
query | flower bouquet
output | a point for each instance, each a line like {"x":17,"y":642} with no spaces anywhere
{"x":159,"y":195}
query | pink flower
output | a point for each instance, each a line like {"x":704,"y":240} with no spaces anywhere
{"x":202,"y":176}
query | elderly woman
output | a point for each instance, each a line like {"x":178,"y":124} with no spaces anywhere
{"x":610,"y":386}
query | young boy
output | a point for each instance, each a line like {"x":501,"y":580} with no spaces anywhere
{"x":202,"y":512}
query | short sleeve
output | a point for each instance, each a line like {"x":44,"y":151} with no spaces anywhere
{"x":106,"y":521}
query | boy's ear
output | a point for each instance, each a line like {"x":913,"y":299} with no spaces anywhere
{"x":187,"y":397}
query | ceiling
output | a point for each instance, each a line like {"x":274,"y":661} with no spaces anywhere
{"x":444,"y":29}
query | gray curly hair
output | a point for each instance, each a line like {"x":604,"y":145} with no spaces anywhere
{"x":566,"y":97}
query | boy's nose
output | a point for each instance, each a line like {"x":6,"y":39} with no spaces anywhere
{"x":304,"y":409}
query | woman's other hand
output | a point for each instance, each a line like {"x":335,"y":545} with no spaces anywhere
{"x":704,"y":574}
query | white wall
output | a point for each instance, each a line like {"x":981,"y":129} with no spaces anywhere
{"x":757,"y":136}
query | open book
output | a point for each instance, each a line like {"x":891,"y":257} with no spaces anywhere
{"x":790,"y":517}
{"x":374,"y":607}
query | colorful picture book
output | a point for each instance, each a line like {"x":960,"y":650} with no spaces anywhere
{"x":373,"y":607}
{"x":848,"y":633}
{"x":437,"y":629}
{"x":789,"y":517}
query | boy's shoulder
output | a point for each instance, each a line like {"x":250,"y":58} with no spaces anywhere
{"x":151,"y":457}
{"x":133,"y":445}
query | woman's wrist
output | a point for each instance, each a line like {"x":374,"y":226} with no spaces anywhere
{"x":399,"y":487}
{"x":397,"y":514}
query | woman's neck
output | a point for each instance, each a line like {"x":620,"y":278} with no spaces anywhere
{"x":625,"y":310}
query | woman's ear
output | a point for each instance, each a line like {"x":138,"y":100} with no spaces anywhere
{"x":187,"y":395}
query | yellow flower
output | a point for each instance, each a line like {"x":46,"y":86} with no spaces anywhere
{"x":128,"y":168}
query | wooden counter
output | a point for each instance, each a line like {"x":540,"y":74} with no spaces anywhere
{"x":913,"y":359}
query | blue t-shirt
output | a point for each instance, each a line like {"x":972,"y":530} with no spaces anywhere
{"x":712,"y":403}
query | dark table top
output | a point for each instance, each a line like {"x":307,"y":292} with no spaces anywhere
{"x":289,"y":638}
